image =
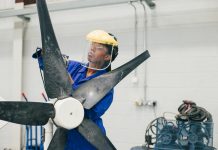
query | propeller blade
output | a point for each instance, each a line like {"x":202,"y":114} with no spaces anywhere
{"x":59,"y":140}
{"x":26,"y":113}
{"x":57,"y":81}
{"x":94,"y":90}
{"x":94,"y":135}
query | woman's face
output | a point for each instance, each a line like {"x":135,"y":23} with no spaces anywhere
{"x":98,"y":54}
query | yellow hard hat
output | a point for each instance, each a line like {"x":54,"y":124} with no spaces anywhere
{"x":100,"y":36}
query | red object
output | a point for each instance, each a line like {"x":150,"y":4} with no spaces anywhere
{"x":26,"y":2}
{"x":24,"y":96}
{"x":44,"y":97}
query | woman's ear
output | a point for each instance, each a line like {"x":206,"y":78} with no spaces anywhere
{"x":107,"y":57}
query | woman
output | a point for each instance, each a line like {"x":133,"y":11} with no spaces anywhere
{"x":103,"y":50}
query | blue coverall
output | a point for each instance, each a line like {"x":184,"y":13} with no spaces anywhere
{"x":75,"y":140}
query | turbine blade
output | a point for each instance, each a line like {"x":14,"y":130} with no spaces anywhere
{"x":57,"y":81}
{"x":91,"y":132}
{"x":59,"y":139}
{"x":26,"y":113}
{"x":94,"y":90}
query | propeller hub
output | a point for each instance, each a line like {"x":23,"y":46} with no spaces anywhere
{"x":69,"y":113}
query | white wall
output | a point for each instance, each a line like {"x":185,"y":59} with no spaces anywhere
{"x":9,"y":134}
{"x":182,"y":39}
{"x":9,"y":4}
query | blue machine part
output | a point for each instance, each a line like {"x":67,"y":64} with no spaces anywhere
{"x":163,"y":134}
{"x":179,"y":135}
{"x":166,"y":137}
{"x":34,"y":141}
{"x":192,"y":130}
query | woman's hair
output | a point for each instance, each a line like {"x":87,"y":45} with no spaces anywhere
{"x":112,"y":50}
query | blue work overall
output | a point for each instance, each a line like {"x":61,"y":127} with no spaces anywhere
{"x":75,"y":140}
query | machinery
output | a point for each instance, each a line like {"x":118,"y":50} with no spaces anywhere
{"x":191,"y":130}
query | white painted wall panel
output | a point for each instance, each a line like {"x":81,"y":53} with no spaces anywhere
{"x":6,"y":4}
{"x":9,"y":134}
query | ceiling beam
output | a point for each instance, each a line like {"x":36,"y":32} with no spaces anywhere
{"x":58,"y":6}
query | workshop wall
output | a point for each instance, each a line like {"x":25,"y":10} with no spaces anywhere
{"x":183,"y":42}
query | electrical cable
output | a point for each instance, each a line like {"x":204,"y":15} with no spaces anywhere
{"x":40,"y":70}
{"x":190,"y":111}
{"x":151,"y":131}
{"x":135,"y":33}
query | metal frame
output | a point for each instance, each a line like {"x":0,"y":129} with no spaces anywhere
{"x":58,"y":6}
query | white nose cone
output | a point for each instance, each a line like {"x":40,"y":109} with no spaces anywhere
{"x":69,"y":113}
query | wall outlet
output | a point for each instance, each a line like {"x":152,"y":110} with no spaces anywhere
{"x":150,"y":103}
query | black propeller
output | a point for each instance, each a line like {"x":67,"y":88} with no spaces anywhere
{"x":57,"y":85}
